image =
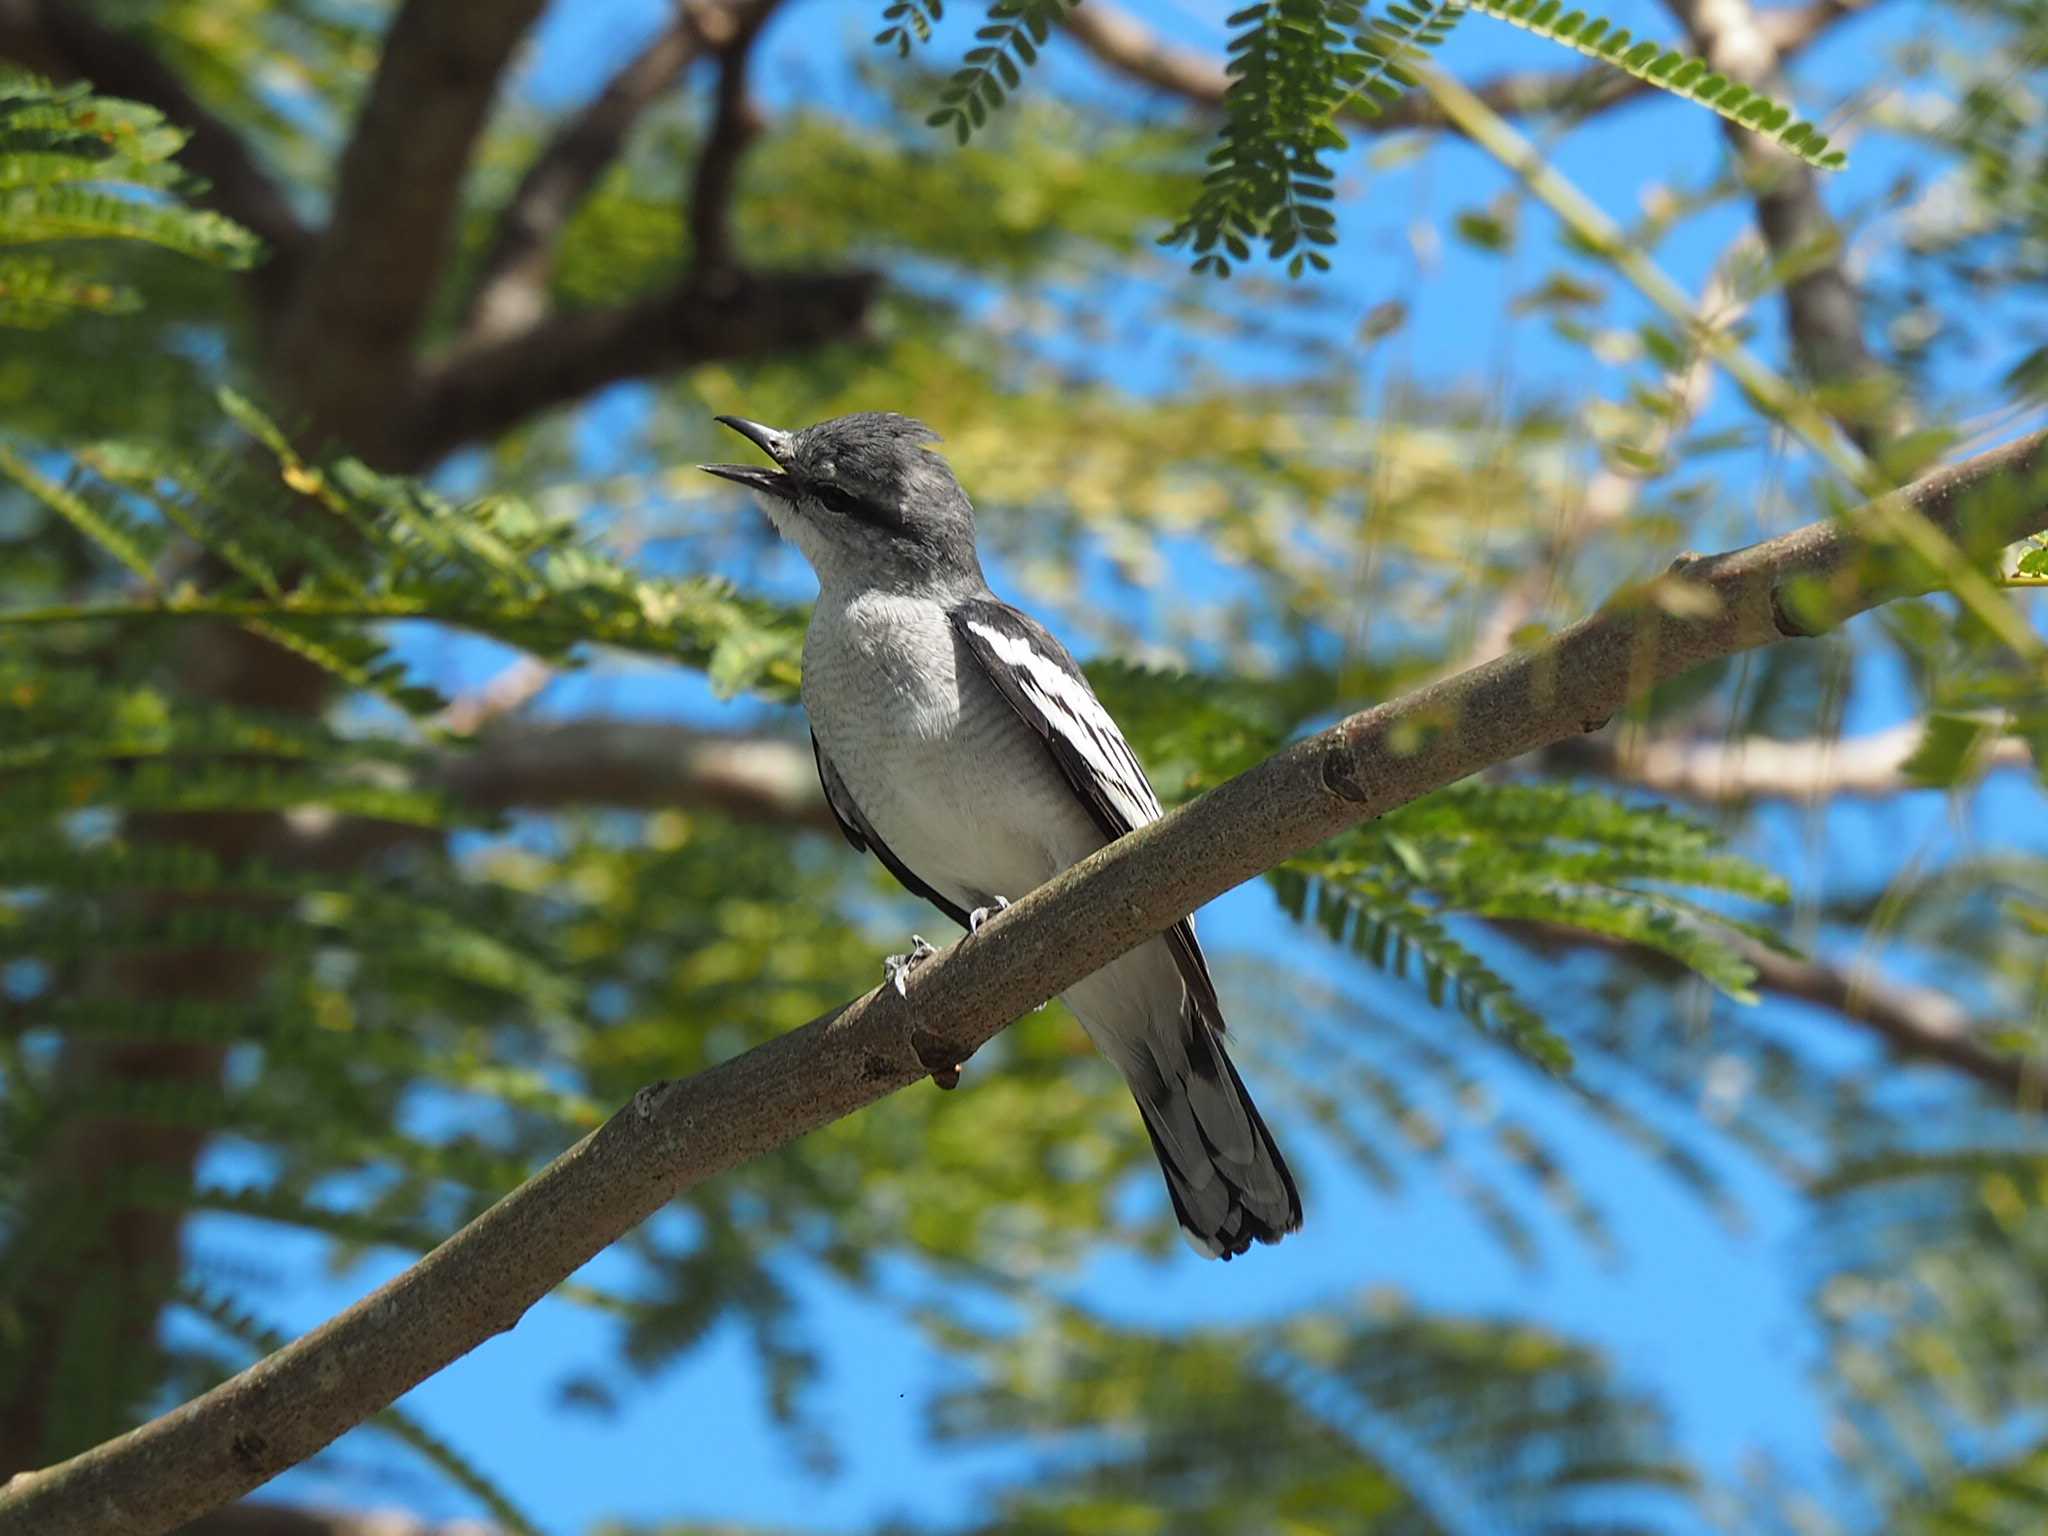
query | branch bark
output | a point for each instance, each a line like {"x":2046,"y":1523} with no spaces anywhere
{"x":1823,"y":313}
{"x":348,"y":346}
{"x":734,"y":123}
{"x":677,"y":1134}
{"x":639,"y":765}
{"x":1763,"y":768}
{"x":511,"y":293}
{"x":1917,"y":1023}
{"x":479,"y":389}
{"x":1126,"y":45}
{"x":291,"y":1520}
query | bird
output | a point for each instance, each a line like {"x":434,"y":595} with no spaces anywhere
{"x":960,"y":743}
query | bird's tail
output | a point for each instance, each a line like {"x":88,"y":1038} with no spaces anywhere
{"x":1228,"y":1182}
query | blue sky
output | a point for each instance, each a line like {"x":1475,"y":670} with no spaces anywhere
{"x":1713,"y":1322}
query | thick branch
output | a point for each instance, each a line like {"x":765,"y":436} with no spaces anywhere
{"x":1763,"y":768}
{"x":638,"y":765}
{"x":1122,"y":43}
{"x":479,"y":390}
{"x":66,"y":42}
{"x":675,"y":1135}
{"x":348,"y":349}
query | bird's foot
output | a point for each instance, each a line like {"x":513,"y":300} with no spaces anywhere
{"x":930,"y":1055}
{"x":981,"y":915}
{"x":898,"y":967}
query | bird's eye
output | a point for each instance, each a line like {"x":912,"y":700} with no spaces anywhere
{"x":826,"y":471}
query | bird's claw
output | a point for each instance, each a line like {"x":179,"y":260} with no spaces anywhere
{"x":898,"y":967}
{"x":981,"y":915}
{"x":935,"y":1060}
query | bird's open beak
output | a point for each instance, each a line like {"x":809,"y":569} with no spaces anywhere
{"x":770,"y":482}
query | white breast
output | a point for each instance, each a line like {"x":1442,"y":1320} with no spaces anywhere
{"x":961,"y":791}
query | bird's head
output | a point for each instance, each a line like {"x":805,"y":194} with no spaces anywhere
{"x":864,"y":497}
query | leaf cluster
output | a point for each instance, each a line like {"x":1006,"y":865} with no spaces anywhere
{"x":75,"y":167}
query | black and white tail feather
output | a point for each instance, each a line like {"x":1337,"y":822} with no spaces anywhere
{"x":1229,"y":1185}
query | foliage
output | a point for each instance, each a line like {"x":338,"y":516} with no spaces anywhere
{"x":1297,"y":66}
{"x":1257,"y":511}
{"x":1004,"y":47}
{"x":1382,"y":1419}
{"x":78,"y":167}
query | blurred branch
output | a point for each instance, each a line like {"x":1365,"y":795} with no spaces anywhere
{"x":1823,"y":312}
{"x":638,"y":765}
{"x":509,"y":690}
{"x":675,"y":1135}
{"x":1917,"y":1023}
{"x":1764,"y":768}
{"x":66,"y":42}
{"x":1126,"y":45}
{"x":290,"y":1520}
{"x":347,"y":350}
{"x":731,"y":32}
{"x":511,"y":292}
{"x":480,"y":389}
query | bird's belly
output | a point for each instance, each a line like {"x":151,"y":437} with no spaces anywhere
{"x":963,"y":793}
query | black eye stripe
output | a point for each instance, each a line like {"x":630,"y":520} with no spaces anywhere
{"x":846,"y":504}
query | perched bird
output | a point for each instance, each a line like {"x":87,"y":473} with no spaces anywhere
{"x":959,"y":742}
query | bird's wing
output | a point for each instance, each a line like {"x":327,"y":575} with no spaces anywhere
{"x":862,"y":835}
{"x":1032,"y":670}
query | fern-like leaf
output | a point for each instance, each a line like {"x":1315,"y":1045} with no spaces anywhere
{"x":1005,"y":46}
{"x":1667,"y":69}
{"x":909,"y":22}
{"x":1399,"y":936}
{"x":74,"y":166}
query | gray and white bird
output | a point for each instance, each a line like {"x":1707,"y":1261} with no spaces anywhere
{"x":961,"y":745}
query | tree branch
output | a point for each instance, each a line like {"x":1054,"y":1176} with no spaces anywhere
{"x":1918,"y":1023}
{"x":347,"y":350}
{"x":1122,"y":43}
{"x":734,"y":123}
{"x":477,"y":390}
{"x":675,"y":1135}
{"x":65,"y":41}
{"x":511,"y":292}
{"x":1822,"y":311}
{"x":1763,"y":768}
{"x":638,"y":765}
{"x":291,"y":1520}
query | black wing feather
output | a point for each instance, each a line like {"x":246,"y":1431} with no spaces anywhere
{"x":1111,"y":801}
{"x":862,"y":836}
